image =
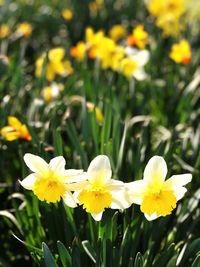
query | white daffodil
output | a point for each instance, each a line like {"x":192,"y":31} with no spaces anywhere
{"x":50,"y":182}
{"x":140,"y":57}
{"x":100,"y":191}
{"x":156,"y":196}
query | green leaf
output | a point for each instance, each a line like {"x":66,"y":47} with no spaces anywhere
{"x":65,"y":256}
{"x":48,"y":257}
{"x":139,"y":261}
{"x":89,"y":250}
{"x":57,"y":139}
{"x":196,"y":262}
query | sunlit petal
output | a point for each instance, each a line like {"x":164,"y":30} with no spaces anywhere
{"x":156,"y":170}
{"x":151,"y":217}
{"x":29,"y":181}
{"x":57,"y":164}
{"x":69,"y":200}
{"x":36,"y":164}
{"x":180,"y":180}
{"x":136,"y":191}
{"x":179,"y":192}
{"x":97,"y":216}
{"x":99,"y":171}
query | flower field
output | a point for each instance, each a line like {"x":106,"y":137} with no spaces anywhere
{"x":100,"y":133}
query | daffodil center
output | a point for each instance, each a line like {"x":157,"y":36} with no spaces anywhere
{"x":161,"y":202}
{"x":49,"y":189}
{"x":95,"y":200}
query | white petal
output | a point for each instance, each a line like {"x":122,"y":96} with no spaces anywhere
{"x":180,"y":180}
{"x":136,"y":191}
{"x":69,"y":200}
{"x":179,"y":192}
{"x":155,"y":170}
{"x":120,"y":200}
{"x":78,"y":186}
{"x":57,"y":164}
{"x":75,"y":195}
{"x":73,"y":176}
{"x":36,"y":164}
{"x":99,"y":171}
{"x":114,"y":185}
{"x":29,"y":181}
{"x":140,"y":74}
{"x":151,"y":217}
{"x":142,"y":57}
{"x":97,"y":216}
{"x":131,"y":51}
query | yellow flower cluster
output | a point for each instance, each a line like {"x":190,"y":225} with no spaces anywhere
{"x":169,"y":14}
{"x":55,"y":64}
{"x":23,"y":29}
{"x":181,"y":52}
{"x":139,"y":37}
{"x":96,"y":190}
{"x":112,"y":55}
{"x":15,"y":130}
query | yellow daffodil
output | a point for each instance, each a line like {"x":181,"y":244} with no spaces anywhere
{"x":117,"y":32}
{"x":168,"y":15}
{"x":93,"y":41}
{"x":56,"y":64}
{"x":99,"y":115}
{"x":50,"y":182}
{"x":15,"y":130}
{"x":100,"y":191}
{"x":79,"y":51}
{"x":67,"y":14}
{"x":156,"y":196}
{"x":50,"y":93}
{"x":181,"y":52}
{"x":139,"y":37}
{"x":24,"y":29}
{"x":95,"y":6}
{"x":4,"y":30}
{"x":110,"y":55}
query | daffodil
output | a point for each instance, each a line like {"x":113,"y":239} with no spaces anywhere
{"x":67,"y":14}
{"x":99,"y":115}
{"x":117,"y":32}
{"x":139,"y":37}
{"x":24,"y":29}
{"x":133,"y":64}
{"x":4,"y":30}
{"x":181,"y":52}
{"x":95,"y":6}
{"x":50,"y":93}
{"x":155,"y":195}
{"x":100,"y":191}
{"x":169,"y":14}
{"x":78,"y":51}
{"x":15,"y":130}
{"x":50,"y":182}
{"x":56,"y":64}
